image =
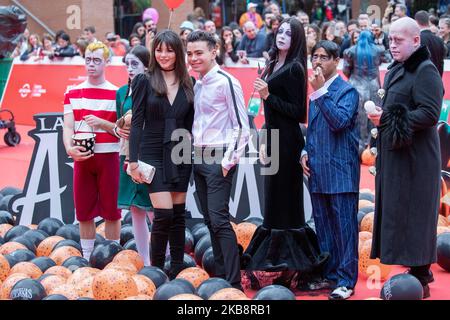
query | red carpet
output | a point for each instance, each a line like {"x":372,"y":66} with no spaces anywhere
{"x":14,"y":164}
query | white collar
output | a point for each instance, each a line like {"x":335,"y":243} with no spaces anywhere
{"x":328,"y":83}
{"x":210,"y":73}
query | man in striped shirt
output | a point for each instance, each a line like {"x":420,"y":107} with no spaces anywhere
{"x":91,"y":107}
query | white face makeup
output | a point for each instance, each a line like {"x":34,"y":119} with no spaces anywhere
{"x":134,"y":65}
{"x":284,"y":37}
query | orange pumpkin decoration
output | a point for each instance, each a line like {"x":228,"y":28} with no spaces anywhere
{"x":372,"y":267}
{"x":367,"y":222}
{"x":9,"y":283}
{"x":145,"y":285}
{"x":129,"y":256}
{"x":63,"y":253}
{"x":28,"y":268}
{"x":10,"y":247}
{"x":112,"y":284}
{"x":4,"y":228}
{"x":244,"y":233}
{"x":4,"y":268}
{"x":52,"y":281}
{"x":46,"y":246}
{"x":81,"y":274}
{"x":229,"y":294}
{"x":186,"y":296}
{"x":194,"y":275}
{"x":66,"y":290}
{"x":59,"y":271}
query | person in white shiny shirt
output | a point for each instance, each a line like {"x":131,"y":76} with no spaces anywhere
{"x":221,"y":131}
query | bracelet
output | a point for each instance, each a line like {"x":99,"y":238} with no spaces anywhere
{"x":115,"y":132}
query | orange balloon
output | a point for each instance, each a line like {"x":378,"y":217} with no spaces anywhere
{"x":4,"y":268}
{"x":229,"y":294}
{"x":139,"y":297}
{"x":125,"y":267}
{"x":367,"y":222}
{"x":81,"y":274}
{"x":9,"y":283}
{"x":84,"y":288}
{"x":367,"y":158}
{"x":186,"y":296}
{"x":46,"y":246}
{"x":63,"y":253}
{"x":10,"y":247}
{"x":145,"y":285}
{"x":129,"y":256}
{"x":372,"y":267}
{"x":244,"y":233}
{"x":33,"y":226}
{"x":4,"y":228}
{"x":194,"y":275}
{"x":51,"y":282}
{"x":364,"y":203}
{"x":60,"y":271}
{"x":66,"y":290}
{"x":28,"y":268}
{"x":112,"y":284}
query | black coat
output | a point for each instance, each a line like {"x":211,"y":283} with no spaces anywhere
{"x":437,"y":49}
{"x":408,"y":164}
{"x":284,"y":109}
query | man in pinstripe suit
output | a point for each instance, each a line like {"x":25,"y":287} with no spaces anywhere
{"x":330,"y":159}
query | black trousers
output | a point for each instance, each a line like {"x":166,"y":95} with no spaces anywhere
{"x":214,"y":191}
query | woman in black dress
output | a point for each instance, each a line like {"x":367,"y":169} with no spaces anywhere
{"x":285,"y":242}
{"x":162,"y":103}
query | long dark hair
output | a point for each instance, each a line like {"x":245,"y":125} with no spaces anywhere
{"x":173,"y":41}
{"x":143,"y":55}
{"x":297,"y":53}
{"x":222,"y":42}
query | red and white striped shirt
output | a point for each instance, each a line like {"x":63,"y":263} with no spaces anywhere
{"x":87,"y":99}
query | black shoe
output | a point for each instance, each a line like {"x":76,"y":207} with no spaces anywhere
{"x":426,"y":291}
{"x":269,"y":267}
{"x":323,"y":284}
{"x":428,"y":279}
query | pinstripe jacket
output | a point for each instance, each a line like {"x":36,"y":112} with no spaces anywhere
{"x":332,"y":140}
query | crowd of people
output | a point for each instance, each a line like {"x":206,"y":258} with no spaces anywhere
{"x":135,"y":128}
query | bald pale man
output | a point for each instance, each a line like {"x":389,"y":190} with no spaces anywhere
{"x":408,"y":165}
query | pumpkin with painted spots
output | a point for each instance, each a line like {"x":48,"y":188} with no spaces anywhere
{"x":46,"y":246}
{"x":63,"y":253}
{"x":112,"y":284}
{"x":194,"y":275}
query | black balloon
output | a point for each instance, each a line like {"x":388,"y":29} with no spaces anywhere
{"x":211,"y":286}
{"x":402,"y":287}
{"x":367,"y":209}
{"x":197,"y":226}
{"x":208,"y":262}
{"x":202,"y":245}
{"x":199,"y":233}
{"x":188,"y":242}
{"x":171,"y":289}
{"x":27,"y":242}
{"x":11,"y":260}
{"x":443,"y":251}
{"x":15,"y":232}
{"x":126,"y":234}
{"x":50,"y":225}
{"x":4,"y":203}
{"x":367,"y":196}
{"x":23,"y":255}
{"x":36,"y":236}
{"x":104,"y":253}
{"x":127,"y":219}
{"x":55,"y":297}
{"x":131,"y":245}
{"x":85,"y":299}
{"x":1,"y":241}
{"x":43,"y":263}
{"x":69,"y":232}
{"x":188,"y":262}
{"x":10,"y":191}
{"x":27,"y":289}
{"x":361,"y":215}
{"x":274,"y":292}
{"x":68,"y":243}
{"x":99,"y":239}
{"x":6,"y":217}
{"x":155,"y":274}
{"x":74,"y":263}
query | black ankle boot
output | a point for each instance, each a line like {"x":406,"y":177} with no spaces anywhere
{"x":160,"y":236}
{"x":177,"y":239}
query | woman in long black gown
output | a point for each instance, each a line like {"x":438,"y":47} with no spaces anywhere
{"x":285,"y":242}
{"x":162,"y":103}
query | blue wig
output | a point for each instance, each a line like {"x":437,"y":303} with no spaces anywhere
{"x":364,"y":49}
